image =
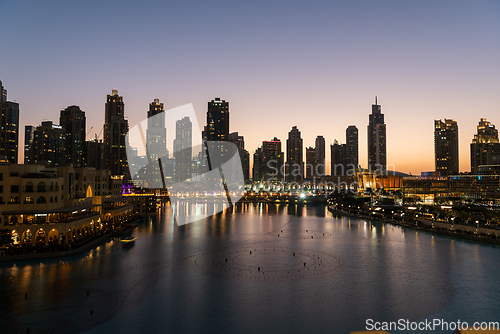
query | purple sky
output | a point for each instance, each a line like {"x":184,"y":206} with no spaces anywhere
{"x":279,"y":64}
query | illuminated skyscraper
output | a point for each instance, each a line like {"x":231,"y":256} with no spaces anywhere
{"x":319,"y":156}
{"x":183,"y":150}
{"x":115,"y":130}
{"x":73,"y":121}
{"x":294,"y":157}
{"x":156,"y":134}
{"x":49,"y":144}
{"x":377,"y":151}
{"x":218,"y":120}
{"x":271,"y":160}
{"x":446,"y":146}
{"x":352,"y":152}
{"x":344,"y":158}
{"x":29,"y":135}
{"x":485,"y":147}
{"x":310,"y":163}
{"x":9,"y":125}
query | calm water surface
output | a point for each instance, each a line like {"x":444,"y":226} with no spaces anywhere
{"x":309,"y":272}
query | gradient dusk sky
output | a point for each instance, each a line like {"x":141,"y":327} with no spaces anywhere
{"x":317,"y":65}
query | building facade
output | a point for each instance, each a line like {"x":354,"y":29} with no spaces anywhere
{"x":446,"y":147}
{"x":115,"y":130}
{"x":49,"y":145}
{"x":485,"y":147}
{"x":239,"y":141}
{"x":294,"y":171}
{"x":9,"y":125}
{"x":377,"y":149}
{"x":183,"y":150}
{"x":73,"y":122}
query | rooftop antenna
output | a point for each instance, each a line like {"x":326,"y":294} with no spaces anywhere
{"x":376,"y":100}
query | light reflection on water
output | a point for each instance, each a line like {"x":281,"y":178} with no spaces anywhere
{"x":386,"y":273}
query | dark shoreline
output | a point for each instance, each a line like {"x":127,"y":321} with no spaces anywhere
{"x":81,"y":249}
{"x":430,"y":230}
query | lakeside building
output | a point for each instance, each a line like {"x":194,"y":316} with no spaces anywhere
{"x":483,"y":187}
{"x":43,"y":204}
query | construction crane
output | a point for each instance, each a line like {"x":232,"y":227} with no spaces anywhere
{"x":97,"y":136}
{"x":89,"y":132}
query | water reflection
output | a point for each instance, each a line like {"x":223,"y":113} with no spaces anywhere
{"x":157,"y":285}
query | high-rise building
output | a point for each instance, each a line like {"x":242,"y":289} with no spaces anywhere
{"x":310,"y":163}
{"x":446,"y":147}
{"x":115,"y":130}
{"x":485,"y":147}
{"x":337,"y":162}
{"x":257,"y":163}
{"x":29,"y":135}
{"x":217,"y":129}
{"x":344,"y":158}
{"x":352,"y":152}
{"x":49,"y":144}
{"x":271,"y":160}
{"x":183,"y":149}
{"x":73,"y":121}
{"x":218,"y":120}
{"x":239,"y":141}
{"x":319,"y":151}
{"x":377,"y":151}
{"x":9,"y":125}
{"x":294,"y":157}
{"x":9,"y":142}
{"x":3,"y":95}
{"x":156,"y":145}
{"x":93,"y":153}
{"x":156,"y":134}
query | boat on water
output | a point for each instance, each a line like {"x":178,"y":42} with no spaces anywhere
{"x":128,"y":241}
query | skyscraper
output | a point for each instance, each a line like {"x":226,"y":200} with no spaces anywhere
{"x":48,"y":144}
{"x":156,"y":134}
{"x":352,"y":152}
{"x":217,"y":129}
{"x":377,"y":151}
{"x":73,"y":121}
{"x":344,"y":158}
{"x":294,"y":157}
{"x":9,"y":125}
{"x":239,"y":141}
{"x":319,"y":151}
{"x":485,"y":147}
{"x":310,"y":163}
{"x":337,"y":162}
{"x":115,"y":130}
{"x":93,"y":153}
{"x":183,"y":149}
{"x":257,"y":163}
{"x":271,"y":160}
{"x":218,"y":120}
{"x":29,"y":135}
{"x":9,"y":143}
{"x":446,"y":146}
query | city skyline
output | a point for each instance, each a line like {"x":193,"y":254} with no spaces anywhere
{"x":333,"y":65}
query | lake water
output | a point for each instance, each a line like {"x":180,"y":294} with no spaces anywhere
{"x":255,"y":268}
